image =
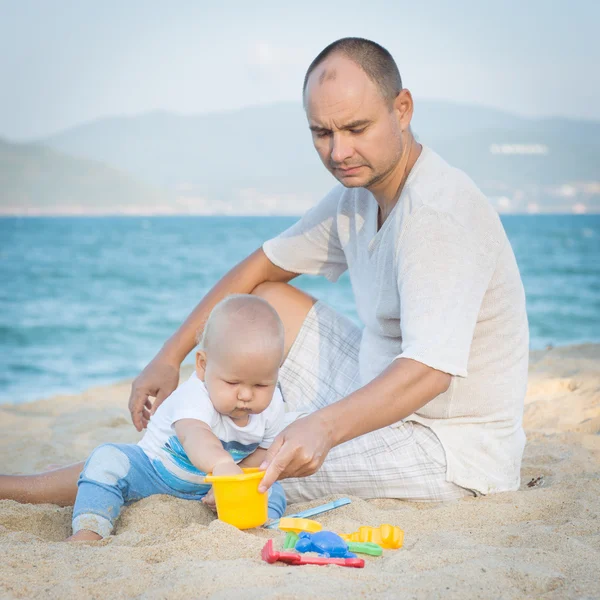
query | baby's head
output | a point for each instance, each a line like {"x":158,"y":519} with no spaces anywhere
{"x":240,"y":352}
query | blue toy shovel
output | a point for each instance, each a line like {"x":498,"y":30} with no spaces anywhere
{"x":311,"y":512}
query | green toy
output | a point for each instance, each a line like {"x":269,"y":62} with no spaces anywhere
{"x":290,"y":540}
{"x":370,"y":548}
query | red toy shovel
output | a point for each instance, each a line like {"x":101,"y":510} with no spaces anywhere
{"x":293,"y":558}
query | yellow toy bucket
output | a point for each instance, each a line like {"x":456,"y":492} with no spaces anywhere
{"x":238,"y":500}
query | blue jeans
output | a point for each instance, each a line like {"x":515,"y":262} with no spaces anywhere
{"x":119,"y":474}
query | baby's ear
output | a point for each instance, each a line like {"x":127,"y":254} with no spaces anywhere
{"x":200,"y":364}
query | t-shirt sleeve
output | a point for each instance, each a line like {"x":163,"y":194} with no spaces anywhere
{"x":312,"y":244}
{"x":443,"y":274}
{"x":275,"y":420}
{"x":191,"y":401}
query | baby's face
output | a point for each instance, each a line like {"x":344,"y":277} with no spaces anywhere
{"x":239,"y":384}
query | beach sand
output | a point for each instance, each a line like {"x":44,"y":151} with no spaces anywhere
{"x":540,"y":542}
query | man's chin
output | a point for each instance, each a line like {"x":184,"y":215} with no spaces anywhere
{"x":351,"y":182}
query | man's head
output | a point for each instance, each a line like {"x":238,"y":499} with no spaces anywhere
{"x":240,"y":352}
{"x":357,"y":111}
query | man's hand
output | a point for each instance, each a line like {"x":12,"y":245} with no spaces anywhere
{"x":298,"y":451}
{"x":157,"y":380}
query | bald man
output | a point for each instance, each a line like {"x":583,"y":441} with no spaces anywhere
{"x":425,"y":400}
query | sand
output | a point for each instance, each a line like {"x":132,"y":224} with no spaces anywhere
{"x":540,"y":542}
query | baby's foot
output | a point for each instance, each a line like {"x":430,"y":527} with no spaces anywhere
{"x":84,"y":535}
{"x":209,"y":500}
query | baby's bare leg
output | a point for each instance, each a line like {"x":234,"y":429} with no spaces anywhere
{"x":52,"y":487}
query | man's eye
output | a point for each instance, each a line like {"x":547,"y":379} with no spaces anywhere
{"x":357,"y":131}
{"x":322,"y":134}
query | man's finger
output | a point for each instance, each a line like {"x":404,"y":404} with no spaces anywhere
{"x":276,"y":467}
{"x":161,"y":396}
{"x":137,"y":400}
{"x":271,"y":452}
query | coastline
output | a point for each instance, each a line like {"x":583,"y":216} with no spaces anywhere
{"x":542,"y":540}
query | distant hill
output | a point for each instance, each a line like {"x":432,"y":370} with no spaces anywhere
{"x":262,"y":157}
{"x":261,"y":160}
{"x":38,"y":180}
{"x":262,"y":146}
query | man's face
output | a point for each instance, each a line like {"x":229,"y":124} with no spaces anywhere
{"x":355,"y":131}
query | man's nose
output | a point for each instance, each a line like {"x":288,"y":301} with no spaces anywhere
{"x":341,"y":148}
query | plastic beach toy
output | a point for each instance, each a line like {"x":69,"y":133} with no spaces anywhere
{"x":290,"y":540}
{"x":387,"y":536}
{"x":293,"y":558}
{"x":299,"y":525}
{"x":327,"y":543}
{"x":370,"y":548}
{"x":238,"y":500}
{"x":311,"y":512}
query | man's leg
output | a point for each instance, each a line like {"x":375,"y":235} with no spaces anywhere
{"x":292,"y":306}
{"x":58,"y":486}
{"x":405,"y":462}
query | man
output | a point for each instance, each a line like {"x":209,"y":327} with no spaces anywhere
{"x":425,"y":403}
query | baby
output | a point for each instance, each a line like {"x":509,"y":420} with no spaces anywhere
{"x":228,"y":411}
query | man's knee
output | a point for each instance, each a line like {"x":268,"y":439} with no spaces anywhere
{"x":285,"y":299}
{"x":272,"y":290}
{"x":292,"y":306}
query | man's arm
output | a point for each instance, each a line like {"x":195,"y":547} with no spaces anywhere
{"x":161,"y":375}
{"x":404,"y":387}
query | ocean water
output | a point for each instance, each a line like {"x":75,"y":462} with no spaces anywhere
{"x":86,"y":301}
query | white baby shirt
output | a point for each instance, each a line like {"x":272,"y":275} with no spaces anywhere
{"x":191,"y":401}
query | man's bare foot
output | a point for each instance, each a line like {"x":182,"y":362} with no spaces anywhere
{"x":84,"y":535}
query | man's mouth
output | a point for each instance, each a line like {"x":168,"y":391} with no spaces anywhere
{"x":348,"y":170}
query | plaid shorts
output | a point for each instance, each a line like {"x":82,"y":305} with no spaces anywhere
{"x":405,"y":460}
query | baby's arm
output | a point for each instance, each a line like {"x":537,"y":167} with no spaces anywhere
{"x":204,"y":448}
{"x":255,"y":459}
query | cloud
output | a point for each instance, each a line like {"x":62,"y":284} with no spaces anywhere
{"x":270,"y":59}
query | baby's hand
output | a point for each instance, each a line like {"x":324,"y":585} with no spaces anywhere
{"x":223,"y":468}
{"x":227,"y":468}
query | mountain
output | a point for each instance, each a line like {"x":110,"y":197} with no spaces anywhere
{"x":253,"y":146}
{"x":261,"y":160}
{"x":38,"y":180}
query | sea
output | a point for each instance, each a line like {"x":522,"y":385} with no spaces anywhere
{"x":86,"y":301}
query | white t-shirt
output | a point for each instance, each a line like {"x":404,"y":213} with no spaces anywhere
{"x":438,"y":283}
{"x":191,"y":401}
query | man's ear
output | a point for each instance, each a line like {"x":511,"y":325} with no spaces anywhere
{"x":403,"y":105}
{"x":200,"y":364}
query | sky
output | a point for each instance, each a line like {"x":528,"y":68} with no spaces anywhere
{"x":63,"y":63}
